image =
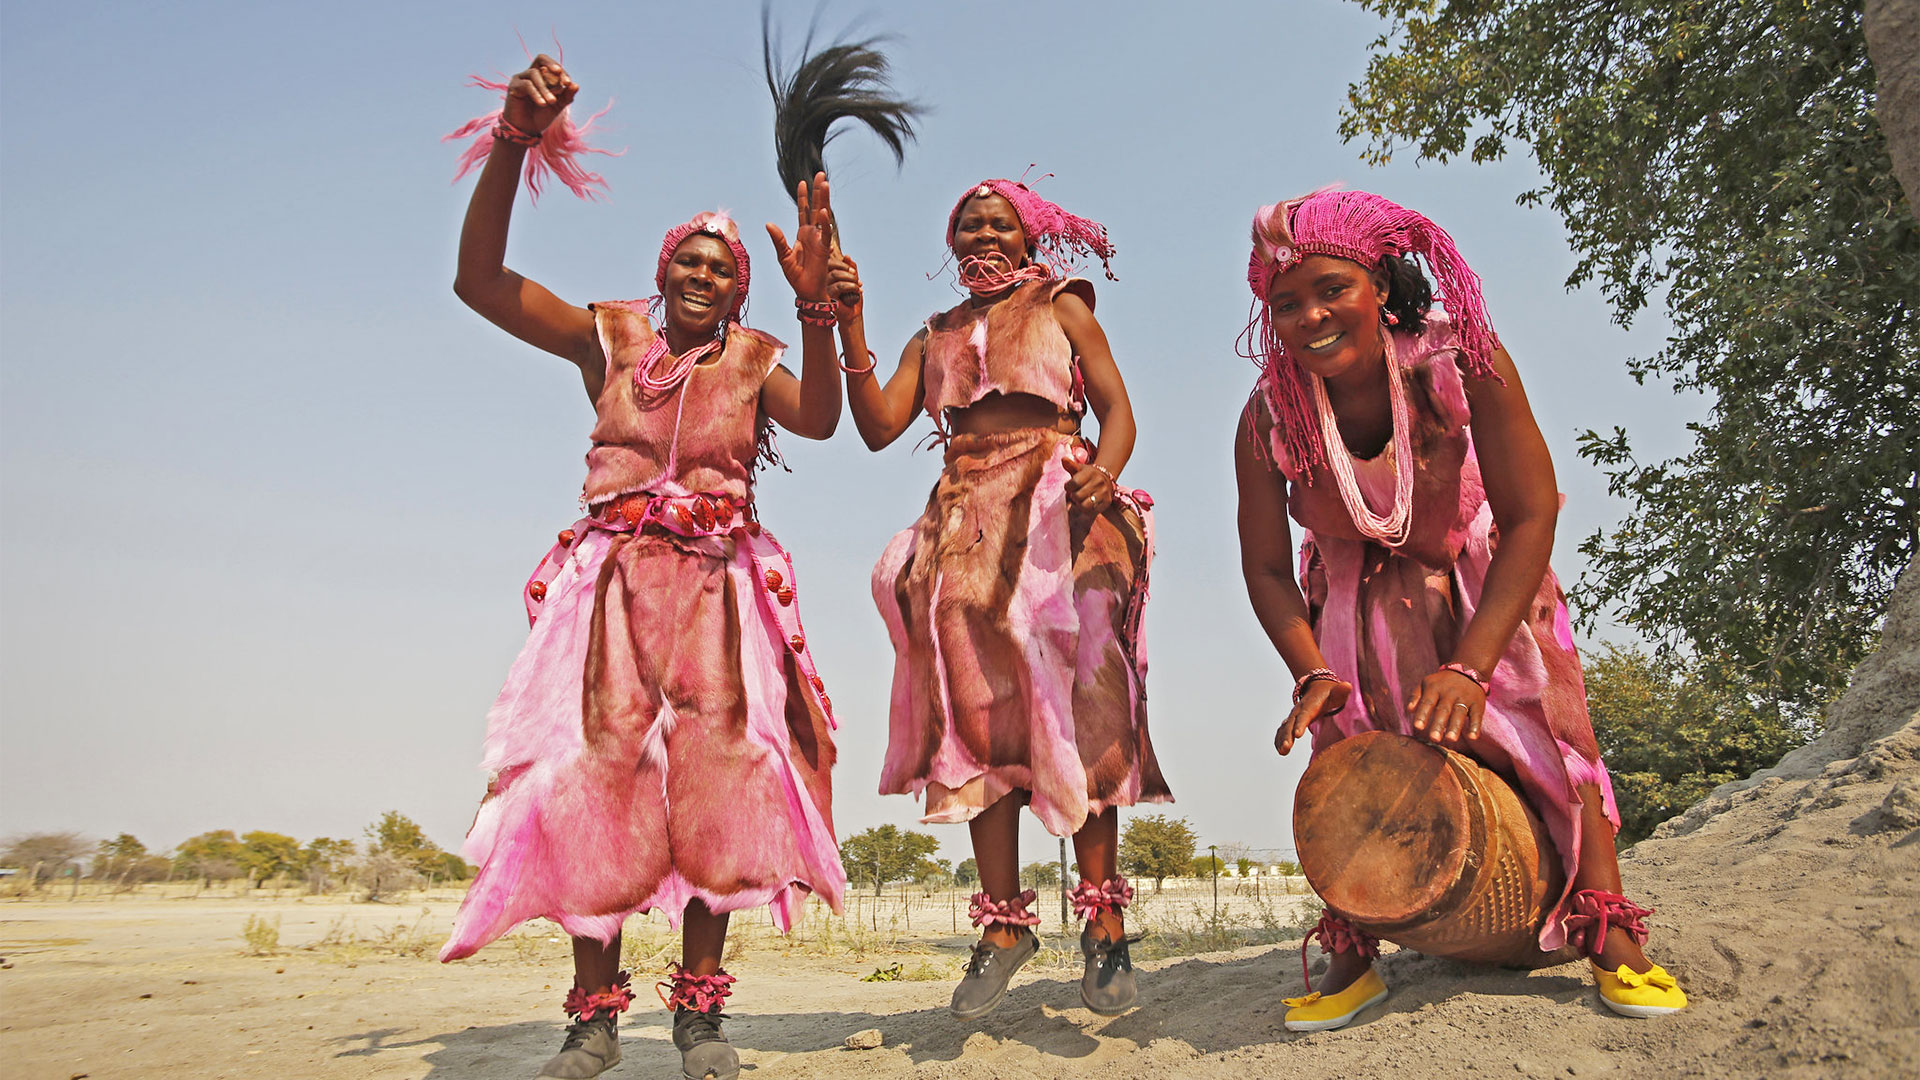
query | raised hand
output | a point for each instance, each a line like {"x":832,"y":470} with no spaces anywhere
{"x":537,"y":96}
{"x":807,"y":262}
{"x":1322,"y":697}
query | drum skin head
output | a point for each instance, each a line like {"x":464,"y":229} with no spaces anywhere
{"x":1383,"y":827}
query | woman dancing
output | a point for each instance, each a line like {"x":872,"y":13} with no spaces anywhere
{"x":1405,"y":447}
{"x":663,"y":741}
{"x":1014,"y":603}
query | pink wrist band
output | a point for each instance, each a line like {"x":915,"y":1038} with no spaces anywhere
{"x":1462,"y":669}
{"x":506,"y":132}
{"x":1316,"y":675}
{"x":872,"y":362}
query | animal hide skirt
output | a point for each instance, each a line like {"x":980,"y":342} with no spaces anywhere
{"x":1015,"y":621}
{"x":662,"y":737}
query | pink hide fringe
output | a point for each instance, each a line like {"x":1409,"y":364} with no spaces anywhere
{"x":557,"y":155}
{"x":531,"y":863}
{"x":1064,"y":644}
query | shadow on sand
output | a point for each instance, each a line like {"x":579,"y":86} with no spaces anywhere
{"x":1220,"y":1006}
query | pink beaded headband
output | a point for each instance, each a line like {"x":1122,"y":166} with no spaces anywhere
{"x":717,"y":224}
{"x":1060,"y":238}
{"x":1365,"y":228}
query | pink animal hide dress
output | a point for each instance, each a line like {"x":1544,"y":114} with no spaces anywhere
{"x":1385,"y":618}
{"x":1015,"y":618}
{"x":663,"y":734}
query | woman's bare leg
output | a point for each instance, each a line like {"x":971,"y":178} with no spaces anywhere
{"x":1096,"y":847}
{"x":1600,"y":869}
{"x":594,"y":964}
{"x":996,"y":852}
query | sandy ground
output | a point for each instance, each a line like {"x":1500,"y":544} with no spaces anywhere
{"x":1789,"y":906}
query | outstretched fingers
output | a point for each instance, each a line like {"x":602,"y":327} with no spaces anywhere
{"x":780,"y":247}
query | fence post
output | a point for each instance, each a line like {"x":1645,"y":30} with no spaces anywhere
{"x":1063,"y":884}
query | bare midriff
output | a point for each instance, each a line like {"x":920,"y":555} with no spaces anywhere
{"x":999,"y":412}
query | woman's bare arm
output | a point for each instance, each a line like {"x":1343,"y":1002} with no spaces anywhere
{"x":1106,"y":395}
{"x":519,"y":305}
{"x":1267,"y":561}
{"x":1518,"y":472}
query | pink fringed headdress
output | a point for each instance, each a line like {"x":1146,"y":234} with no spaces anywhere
{"x":1060,"y":238}
{"x":557,"y":154}
{"x":717,"y":224}
{"x":1365,"y":228}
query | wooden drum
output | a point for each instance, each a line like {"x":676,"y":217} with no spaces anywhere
{"x":1426,"y":848}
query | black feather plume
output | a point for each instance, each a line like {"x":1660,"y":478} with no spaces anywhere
{"x":844,"y":81}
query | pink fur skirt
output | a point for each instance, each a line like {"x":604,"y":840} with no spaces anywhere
{"x":661,"y":738}
{"x":1392,"y":621}
{"x":1015,"y":623}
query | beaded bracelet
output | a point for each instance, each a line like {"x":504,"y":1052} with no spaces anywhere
{"x":815,"y":312}
{"x":1318,"y":674}
{"x":507,"y":132}
{"x":1462,"y":669}
{"x":872,"y":362}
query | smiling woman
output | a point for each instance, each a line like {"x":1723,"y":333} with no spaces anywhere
{"x":663,"y":741}
{"x":1400,"y":439}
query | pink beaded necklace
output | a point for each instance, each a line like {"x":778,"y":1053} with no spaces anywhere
{"x":1390,"y":530}
{"x":676,"y":373}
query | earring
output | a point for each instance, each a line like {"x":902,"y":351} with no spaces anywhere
{"x":1389,"y":317}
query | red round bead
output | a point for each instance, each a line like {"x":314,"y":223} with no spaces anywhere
{"x":799,"y":643}
{"x":566,"y":537}
{"x":785,"y":593}
{"x":537,"y":590}
{"x":773,"y":580}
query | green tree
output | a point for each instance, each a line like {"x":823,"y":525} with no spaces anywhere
{"x":1243,"y":866}
{"x":210,"y":856}
{"x":398,"y":835}
{"x":116,"y":856}
{"x":1723,"y":157}
{"x":1157,"y":846}
{"x":325,"y":862}
{"x":1671,"y":734}
{"x":1207,"y":866}
{"x":125,"y":861}
{"x":967,"y":874}
{"x":886,"y":853}
{"x":1040,"y":875}
{"x":265,"y":855}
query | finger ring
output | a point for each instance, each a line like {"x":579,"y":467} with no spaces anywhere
{"x":1463,"y":705}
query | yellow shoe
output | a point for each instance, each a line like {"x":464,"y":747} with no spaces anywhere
{"x":1317,"y":1013}
{"x":1631,"y":993}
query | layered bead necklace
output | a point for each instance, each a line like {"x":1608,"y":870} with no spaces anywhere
{"x":1391,"y":530}
{"x":645,"y":381}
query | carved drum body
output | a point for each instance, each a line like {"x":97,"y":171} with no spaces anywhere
{"x":1426,"y":848}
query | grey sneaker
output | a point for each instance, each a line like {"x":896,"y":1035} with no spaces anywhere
{"x":704,"y":1051}
{"x":989,"y":972}
{"x":1108,"y":987}
{"x":592,"y":1047}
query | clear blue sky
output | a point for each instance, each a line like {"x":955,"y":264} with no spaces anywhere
{"x":268,"y":491}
